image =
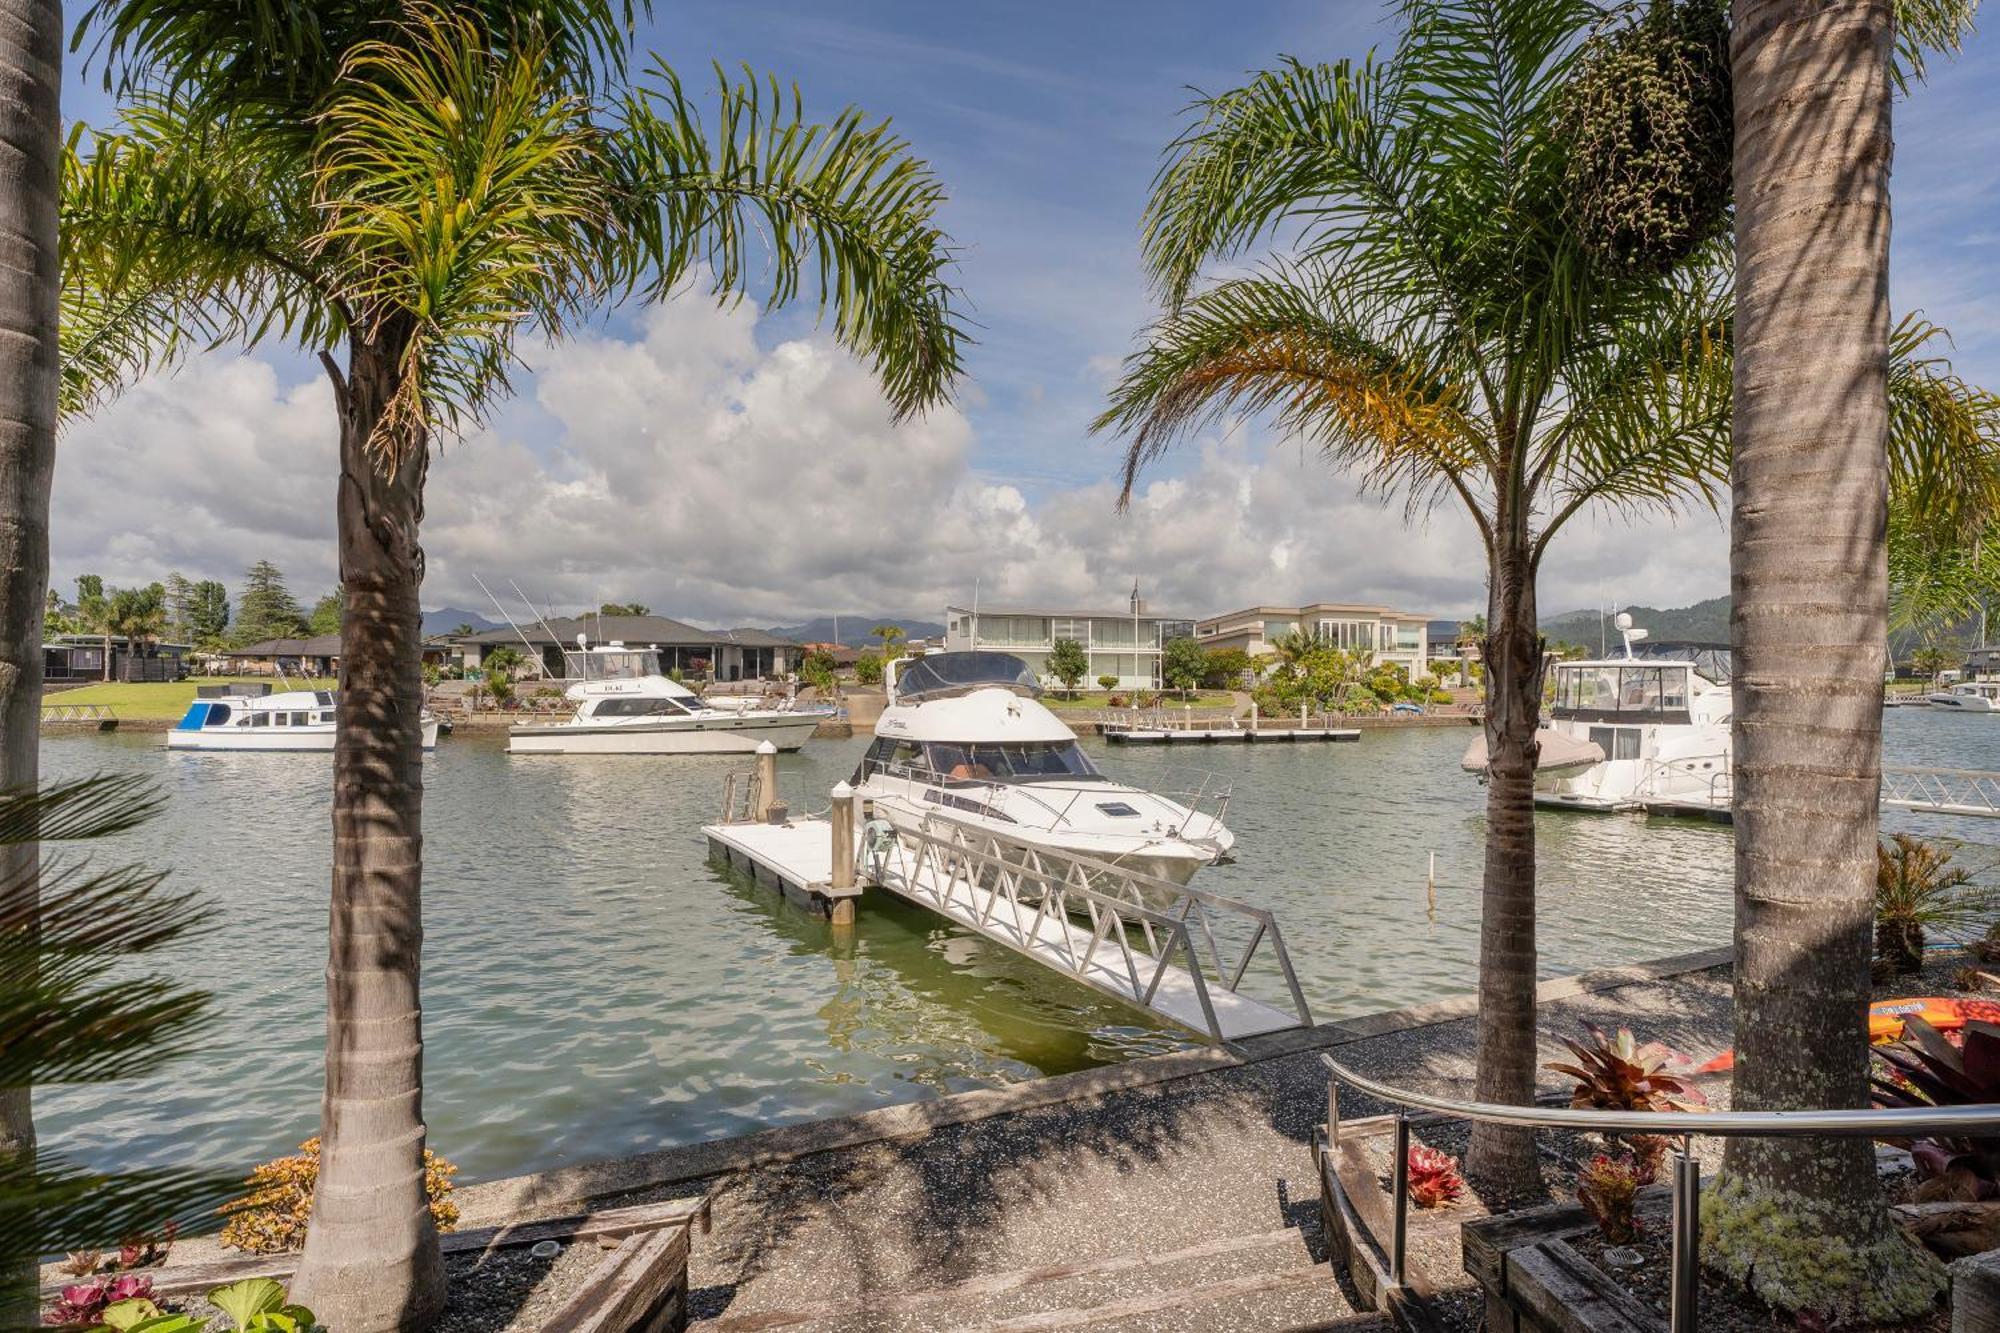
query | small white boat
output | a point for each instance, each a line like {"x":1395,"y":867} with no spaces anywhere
{"x":624,"y":705}
{"x":1971,"y":696}
{"x":965,"y":738}
{"x":1649,"y":730}
{"x":252,"y":717}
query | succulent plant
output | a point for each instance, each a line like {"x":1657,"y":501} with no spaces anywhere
{"x":1433,"y":1176}
{"x":1617,"y":1073}
{"x":1926,"y":1068}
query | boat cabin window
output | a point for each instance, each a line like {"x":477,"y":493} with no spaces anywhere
{"x":260,"y":719}
{"x":326,"y":716}
{"x":1118,"y":809}
{"x":615,"y":664}
{"x":655,"y":707}
{"x":1616,"y":742}
{"x":1604,"y":693}
{"x":889,"y":755}
{"x":943,"y":674}
{"x":281,"y":719}
{"x":1021,"y":762}
{"x":218,"y":714}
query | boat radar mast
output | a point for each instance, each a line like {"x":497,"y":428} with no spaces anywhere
{"x":1626,"y":632}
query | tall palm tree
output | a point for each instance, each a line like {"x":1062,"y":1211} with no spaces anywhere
{"x":31,"y":129}
{"x":1804,"y":1221}
{"x":1441,"y":329}
{"x":406,"y":191}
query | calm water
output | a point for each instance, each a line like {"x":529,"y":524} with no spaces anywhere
{"x":594,"y":987}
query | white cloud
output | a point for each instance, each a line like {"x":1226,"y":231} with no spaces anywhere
{"x":689,"y":468}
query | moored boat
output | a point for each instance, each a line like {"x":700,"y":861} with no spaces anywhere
{"x":253,"y":717}
{"x":1969,"y":696}
{"x":625,"y":705}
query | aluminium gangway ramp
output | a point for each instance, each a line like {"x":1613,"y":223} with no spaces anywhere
{"x":1144,"y":940}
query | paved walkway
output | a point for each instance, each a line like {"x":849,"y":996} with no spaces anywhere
{"x":1168,"y":1194}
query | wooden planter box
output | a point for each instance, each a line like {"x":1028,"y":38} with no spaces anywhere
{"x":1537,"y":1282}
{"x":640,"y":1287}
{"x":1357,"y":1217}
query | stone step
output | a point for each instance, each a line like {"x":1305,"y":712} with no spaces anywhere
{"x":1268,"y":1281}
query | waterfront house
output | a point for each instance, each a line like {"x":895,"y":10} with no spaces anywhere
{"x":1399,"y":637}
{"x":81,"y":657}
{"x":736,"y":654}
{"x":316,"y":656}
{"x":1126,"y":644}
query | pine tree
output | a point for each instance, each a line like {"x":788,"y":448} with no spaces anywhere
{"x":179,"y":600}
{"x":267,"y":609}
{"x":208,"y":613}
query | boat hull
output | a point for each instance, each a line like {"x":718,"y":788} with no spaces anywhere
{"x":1171,"y":860}
{"x":706,"y":735}
{"x":273,"y":740}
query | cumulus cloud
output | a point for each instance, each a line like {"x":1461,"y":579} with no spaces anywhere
{"x":712,"y":477}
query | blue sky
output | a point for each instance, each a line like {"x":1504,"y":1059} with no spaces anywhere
{"x":1045,"y":122}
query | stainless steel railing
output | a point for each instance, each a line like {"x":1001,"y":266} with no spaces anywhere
{"x":1685,"y":1125}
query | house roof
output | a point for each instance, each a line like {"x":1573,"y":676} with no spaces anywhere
{"x":634,"y":630}
{"x":322,"y":645}
{"x":754,"y":638}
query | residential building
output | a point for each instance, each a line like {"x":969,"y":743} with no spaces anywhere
{"x":1126,"y":644}
{"x":1390,"y":635}
{"x":316,"y":656}
{"x":735,"y":654}
{"x":80,"y":657}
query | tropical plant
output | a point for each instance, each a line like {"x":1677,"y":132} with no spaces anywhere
{"x":892,"y":641}
{"x":1925,"y":1068}
{"x":31,"y":126}
{"x":1617,"y":1073}
{"x":1818,"y":394}
{"x":1068,"y":663}
{"x":868,"y":668}
{"x":503,"y":658}
{"x":1608,"y":1188}
{"x":85,"y":998}
{"x":253,"y":1305}
{"x":1182,"y":665}
{"x":1933,"y":660}
{"x":86,"y":1302}
{"x":1434,"y":1180}
{"x":406,"y":192}
{"x":1917,"y":888}
{"x":272,"y":1217}
{"x":816,"y":669}
{"x":1440,"y":330}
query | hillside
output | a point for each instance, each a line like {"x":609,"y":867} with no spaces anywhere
{"x":1704,"y":622}
{"x":854,"y":630}
{"x":448,"y":618}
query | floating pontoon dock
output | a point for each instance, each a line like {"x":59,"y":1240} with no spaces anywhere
{"x":1131,"y":936}
{"x":1211,"y":735}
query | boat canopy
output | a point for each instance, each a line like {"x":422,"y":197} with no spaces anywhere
{"x":1711,"y":661}
{"x":937,"y":674}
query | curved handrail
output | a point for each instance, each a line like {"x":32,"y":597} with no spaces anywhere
{"x":1897,"y":1122}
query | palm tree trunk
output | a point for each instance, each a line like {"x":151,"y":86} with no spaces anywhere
{"x":1499,"y":1158}
{"x":31,"y":133}
{"x":371,"y":1261}
{"x":1803,"y":1221}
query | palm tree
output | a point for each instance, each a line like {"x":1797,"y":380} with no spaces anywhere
{"x":1802,"y":1220}
{"x":31,"y":127}
{"x":1441,"y":329}
{"x":406,"y":191}
{"x":892,"y":641}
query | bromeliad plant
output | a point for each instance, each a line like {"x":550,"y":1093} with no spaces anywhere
{"x":1608,"y":1189}
{"x":1925,"y":1068}
{"x":1619,"y":1074}
{"x":1434,"y":1178}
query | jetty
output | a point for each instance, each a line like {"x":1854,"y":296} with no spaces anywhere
{"x":1212,"y":735}
{"x":1178,"y":952}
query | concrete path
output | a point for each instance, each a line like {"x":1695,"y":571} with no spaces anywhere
{"x":1168,"y":1194}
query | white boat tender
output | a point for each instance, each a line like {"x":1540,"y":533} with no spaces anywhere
{"x":251,"y":717}
{"x":1646,"y":730}
{"x":624,"y":705}
{"x":965,"y":738}
{"x":1972,"y":696}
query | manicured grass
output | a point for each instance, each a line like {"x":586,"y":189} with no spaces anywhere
{"x":161,"y":700}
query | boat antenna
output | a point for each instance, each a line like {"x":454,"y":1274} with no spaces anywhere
{"x":547,"y":628}
{"x":532,"y":654}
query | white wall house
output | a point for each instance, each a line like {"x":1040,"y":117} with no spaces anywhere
{"x":1390,"y":635}
{"x":1124,"y":644}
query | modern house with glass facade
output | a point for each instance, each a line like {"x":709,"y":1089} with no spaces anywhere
{"x":1124,"y":644}
{"x":1392,"y":636}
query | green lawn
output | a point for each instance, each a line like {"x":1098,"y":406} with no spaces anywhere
{"x":159,"y":701}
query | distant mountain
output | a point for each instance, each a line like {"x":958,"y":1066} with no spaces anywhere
{"x":854,"y":630}
{"x":1704,"y":622}
{"x":446,"y":619}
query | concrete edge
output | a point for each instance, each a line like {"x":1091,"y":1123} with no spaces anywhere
{"x":584,"y":1181}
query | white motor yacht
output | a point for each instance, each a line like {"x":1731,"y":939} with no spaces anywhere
{"x":1649,"y":729}
{"x":252,"y":717}
{"x":624,"y":705}
{"x":1971,"y":696}
{"x":965,"y":737}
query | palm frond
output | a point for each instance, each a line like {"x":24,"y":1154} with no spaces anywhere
{"x":842,"y":209}
{"x":1944,"y":436}
{"x":1924,"y":28}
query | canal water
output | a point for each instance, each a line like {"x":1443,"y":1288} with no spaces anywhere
{"x":594,"y":987}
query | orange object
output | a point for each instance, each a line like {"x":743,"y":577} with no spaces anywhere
{"x":1885,"y":1021}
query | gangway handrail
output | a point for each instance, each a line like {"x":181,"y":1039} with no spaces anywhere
{"x":1920,"y":771}
{"x":1685,"y":1229}
{"x":1060,"y":877}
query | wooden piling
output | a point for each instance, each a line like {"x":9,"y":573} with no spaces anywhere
{"x":767,"y":781}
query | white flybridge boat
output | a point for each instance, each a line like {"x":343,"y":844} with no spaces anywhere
{"x":964,"y":738}
{"x":252,"y":717}
{"x":1972,"y":696}
{"x":1646,"y":731}
{"x":624,"y":705}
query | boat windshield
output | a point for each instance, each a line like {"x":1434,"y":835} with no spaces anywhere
{"x":1019,"y":762}
{"x":956,"y":673}
{"x":615,"y":664}
{"x":1598,"y":692}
